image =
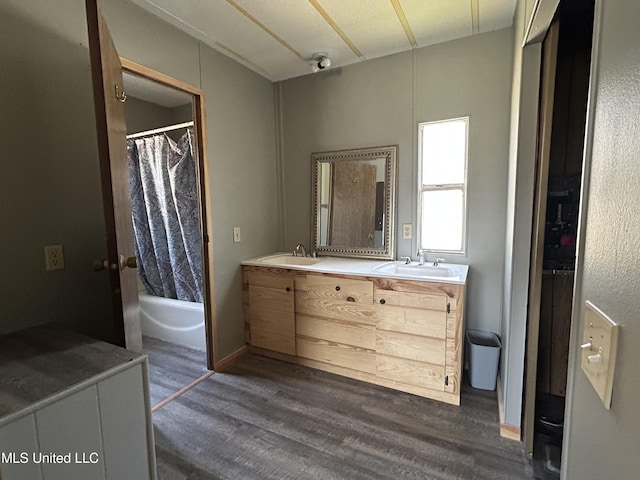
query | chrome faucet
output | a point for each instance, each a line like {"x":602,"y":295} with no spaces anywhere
{"x":437,"y":261}
{"x":300,"y":251}
{"x":407,"y":260}
{"x":420,"y":257}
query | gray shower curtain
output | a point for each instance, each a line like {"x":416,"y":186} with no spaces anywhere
{"x":164,"y":201}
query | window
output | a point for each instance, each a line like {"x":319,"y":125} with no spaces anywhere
{"x":442,"y":155}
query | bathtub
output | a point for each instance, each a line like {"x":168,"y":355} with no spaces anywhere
{"x":172,"y":320}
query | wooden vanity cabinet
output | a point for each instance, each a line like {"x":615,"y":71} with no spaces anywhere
{"x":271,"y":311}
{"x":401,"y":334}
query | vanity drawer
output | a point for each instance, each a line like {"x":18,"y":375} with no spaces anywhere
{"x":410,"y":372}
{"x":348,"y":333}
{"x":411,"y":347}
{"x":317,"y":306}
{"x":428,"y":301}
{"x":333,"y":353}
{"x":414,"y":321}
{"x":343,"y":289}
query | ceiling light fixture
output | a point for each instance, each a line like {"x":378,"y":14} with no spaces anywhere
{"x":320,"y":62}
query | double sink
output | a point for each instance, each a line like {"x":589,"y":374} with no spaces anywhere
{"x":444,"y":272}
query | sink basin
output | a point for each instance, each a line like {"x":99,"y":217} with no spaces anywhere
{"x":289,"y":260}
{"x":416,"y":270}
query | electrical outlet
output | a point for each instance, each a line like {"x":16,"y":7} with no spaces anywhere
{"x":236,"y":235}
{"x":407,"y":231}
{"x":53,"y":258}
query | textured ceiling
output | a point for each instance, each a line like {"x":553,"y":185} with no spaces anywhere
{"x":277,"y":38}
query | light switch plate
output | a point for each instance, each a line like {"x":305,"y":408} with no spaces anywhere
{"x":237,"y":237}
{"x":599,"y":348}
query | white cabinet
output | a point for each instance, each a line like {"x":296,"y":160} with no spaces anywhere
{"x":97,"y":428}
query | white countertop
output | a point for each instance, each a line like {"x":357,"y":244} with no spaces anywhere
{"x":444,"y":273}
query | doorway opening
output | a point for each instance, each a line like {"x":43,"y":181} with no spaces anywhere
{"x":563,"y":110}
{"x":169,"y":200}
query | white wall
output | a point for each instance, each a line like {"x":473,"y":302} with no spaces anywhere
{"x":381,"y":102}
{"x":600,"y":443}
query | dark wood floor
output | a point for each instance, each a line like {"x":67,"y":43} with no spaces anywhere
{"x":171,"y":367}
{"x":267,"y":419}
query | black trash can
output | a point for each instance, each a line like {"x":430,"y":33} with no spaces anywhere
{"x":483,"y":349}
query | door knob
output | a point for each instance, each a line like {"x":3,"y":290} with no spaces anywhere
{"x":131,"y":262}
{"x":103,"y":265}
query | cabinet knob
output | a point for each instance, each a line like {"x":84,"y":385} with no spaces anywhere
{"x":382,"y":301}
{"x":337,"y":288}
{"x":287,"y":289}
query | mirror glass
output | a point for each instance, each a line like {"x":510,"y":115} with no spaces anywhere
{"x":354,"y":202}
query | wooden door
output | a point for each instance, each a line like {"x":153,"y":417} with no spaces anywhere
{"x":106,"y":71}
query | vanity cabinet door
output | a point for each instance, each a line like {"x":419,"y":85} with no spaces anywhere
{"x":271,"y":312}
{"x":411,"y":338}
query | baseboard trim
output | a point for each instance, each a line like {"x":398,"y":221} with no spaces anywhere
{"x":226,"y":362}
{"x":506,"y":431}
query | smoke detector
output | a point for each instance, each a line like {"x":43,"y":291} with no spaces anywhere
{"x":320,"y":62}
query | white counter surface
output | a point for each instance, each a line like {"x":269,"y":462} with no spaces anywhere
{"x":444,"y":273}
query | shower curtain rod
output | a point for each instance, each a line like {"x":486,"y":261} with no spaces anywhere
{"x":160,"y":130}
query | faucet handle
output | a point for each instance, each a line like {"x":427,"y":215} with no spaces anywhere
{"x":407,"y":260}
{"x":437,"y":261}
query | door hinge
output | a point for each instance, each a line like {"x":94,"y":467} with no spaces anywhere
{"x":448,"y":307}
{"x":446,"y":381}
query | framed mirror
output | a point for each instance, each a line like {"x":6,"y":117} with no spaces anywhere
{"x":354,"y":202}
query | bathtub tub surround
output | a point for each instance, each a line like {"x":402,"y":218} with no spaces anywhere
{"x":172,"y":320}
{"x":389,"y":323}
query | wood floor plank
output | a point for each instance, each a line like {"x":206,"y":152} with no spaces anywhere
{"x":266,"y":419}
{"x":171,"y":367}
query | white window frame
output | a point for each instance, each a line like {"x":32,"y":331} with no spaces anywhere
{"x":449,"y":186}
